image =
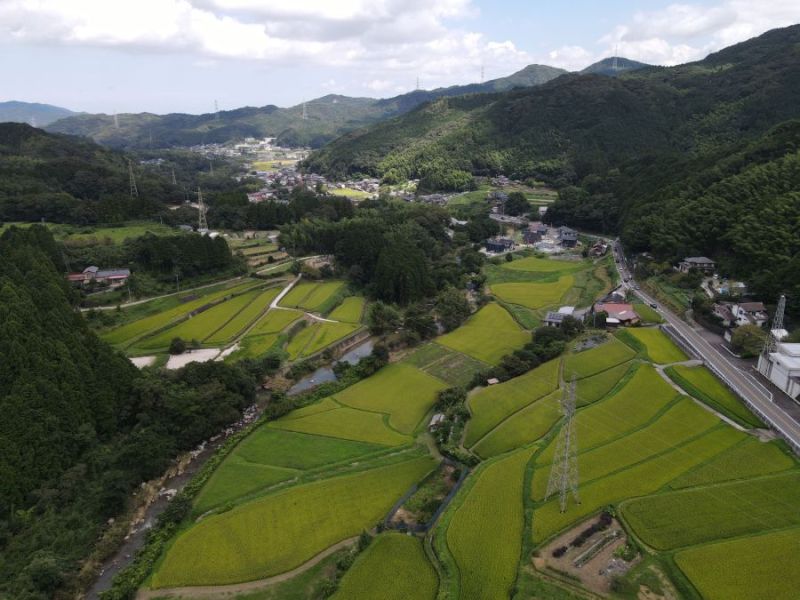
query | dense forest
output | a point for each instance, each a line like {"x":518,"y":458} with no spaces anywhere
{"x":67,"y":179}
{"x":699,"y":158}
{"x":81,"y":426}
{"x":398,"y":252}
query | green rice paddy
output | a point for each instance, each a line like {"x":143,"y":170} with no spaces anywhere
{"x":488,"y":335}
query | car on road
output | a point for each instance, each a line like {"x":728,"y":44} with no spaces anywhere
{"x":653,"y":305}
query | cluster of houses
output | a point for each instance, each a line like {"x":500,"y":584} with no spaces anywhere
{"x":538,"y":235}
{"x":92,"y":275}
{"x":619,"y":313}
{"x":289,"y":177}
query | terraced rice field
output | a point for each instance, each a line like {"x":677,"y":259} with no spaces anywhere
{"x":275,"y":321}
{"x":268,"y":456}
{"x":278,"y":532}
{"x":130,"y":331}
{"x":401,"y":391}
{"x":591,"y":389}
{"x":641,"y":479}
{"x":683,"y":421}
{"x":533,"y":295}
{"x":660,"y":348}
{"x":521,"y":428}
{"x":643,"y":397}
{"x":597,"y":359}
{"x":752,"y":568}
{"x":488,"y":335}
{"x":393,"y":567}
{"x":544,"y":265}
{"x":350,"y":310}
{"x":484,"y":535}
{"x":244,"y":318}
{"x":491,"y":405}
{"x":694,"y":516}
{"x":701,"y":383}
{"x":311,"y":296}
{"x":237,"y":478}
{"x":200,"y":326}
{"x":317,"y":336}
{"x":346,"y":423}
{"x":750,"y":458}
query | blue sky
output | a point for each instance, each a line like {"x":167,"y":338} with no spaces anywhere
{"x":182,"y":55}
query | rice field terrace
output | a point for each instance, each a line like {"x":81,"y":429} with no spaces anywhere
{"x":239,"y":316}
{"x":674,"y":500}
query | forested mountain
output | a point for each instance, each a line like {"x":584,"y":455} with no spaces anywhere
{"x":325,"y":118}
{"x":681,"y":160}
{"x":614,"y":65}
{"x":68,"y":179}
{"x":32,"y":113}
{"x":81,"y":426}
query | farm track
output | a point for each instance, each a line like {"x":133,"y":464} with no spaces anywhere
{"x":213,"y":591}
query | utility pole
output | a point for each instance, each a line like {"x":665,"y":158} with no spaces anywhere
{"x":564,"y":470}
{"x":132,"y":178}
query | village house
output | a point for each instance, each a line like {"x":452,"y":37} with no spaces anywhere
{"x":567,"y":237}
{"x":618,"y":313}
{"x":556,"y":318}
{"x":599,"y":248}
{"x":750,"y":313}
{"x":725,"y":314}
{"x":111,"y":277}
{"x":499,"y":244}
{"x":701,"y":263}
{"x":535,"y":232}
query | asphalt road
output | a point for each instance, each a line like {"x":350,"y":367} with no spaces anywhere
{"x":745,"y":384}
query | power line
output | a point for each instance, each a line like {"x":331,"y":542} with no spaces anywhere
{"x":564,"y":470}
{"x":132,"y":180}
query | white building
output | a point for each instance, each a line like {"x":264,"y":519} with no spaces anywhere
{"x":782,"y":367}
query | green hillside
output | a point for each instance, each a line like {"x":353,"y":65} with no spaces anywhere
{"x":642,"y":154}
{"x":326,"y":117}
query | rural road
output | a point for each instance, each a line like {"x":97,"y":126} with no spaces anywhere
{"x":755,"y":394}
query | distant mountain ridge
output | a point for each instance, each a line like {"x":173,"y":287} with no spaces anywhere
{"x":613,"y":66}
{"x":32,"y":113}
{"x":322,"y":119}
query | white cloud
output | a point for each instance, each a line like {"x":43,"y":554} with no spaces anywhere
{"x":385,"y":44}
{"x":685,"y":32}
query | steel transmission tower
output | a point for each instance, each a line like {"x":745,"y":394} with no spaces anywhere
{"x":305,"y":112}
{"x":132,"y":178}
{"x":564,"y":471}
{"x":771,"y":343}
{"x":202,"y":223}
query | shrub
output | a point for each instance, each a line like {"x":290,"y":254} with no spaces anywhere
{"x":177,"y":346}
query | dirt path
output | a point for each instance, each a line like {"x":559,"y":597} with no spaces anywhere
{"x":211,"y":591}
{"x":143,"y":300}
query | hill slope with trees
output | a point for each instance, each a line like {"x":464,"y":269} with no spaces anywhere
{"x":694,"y":159}
{"x":81,"y":426}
